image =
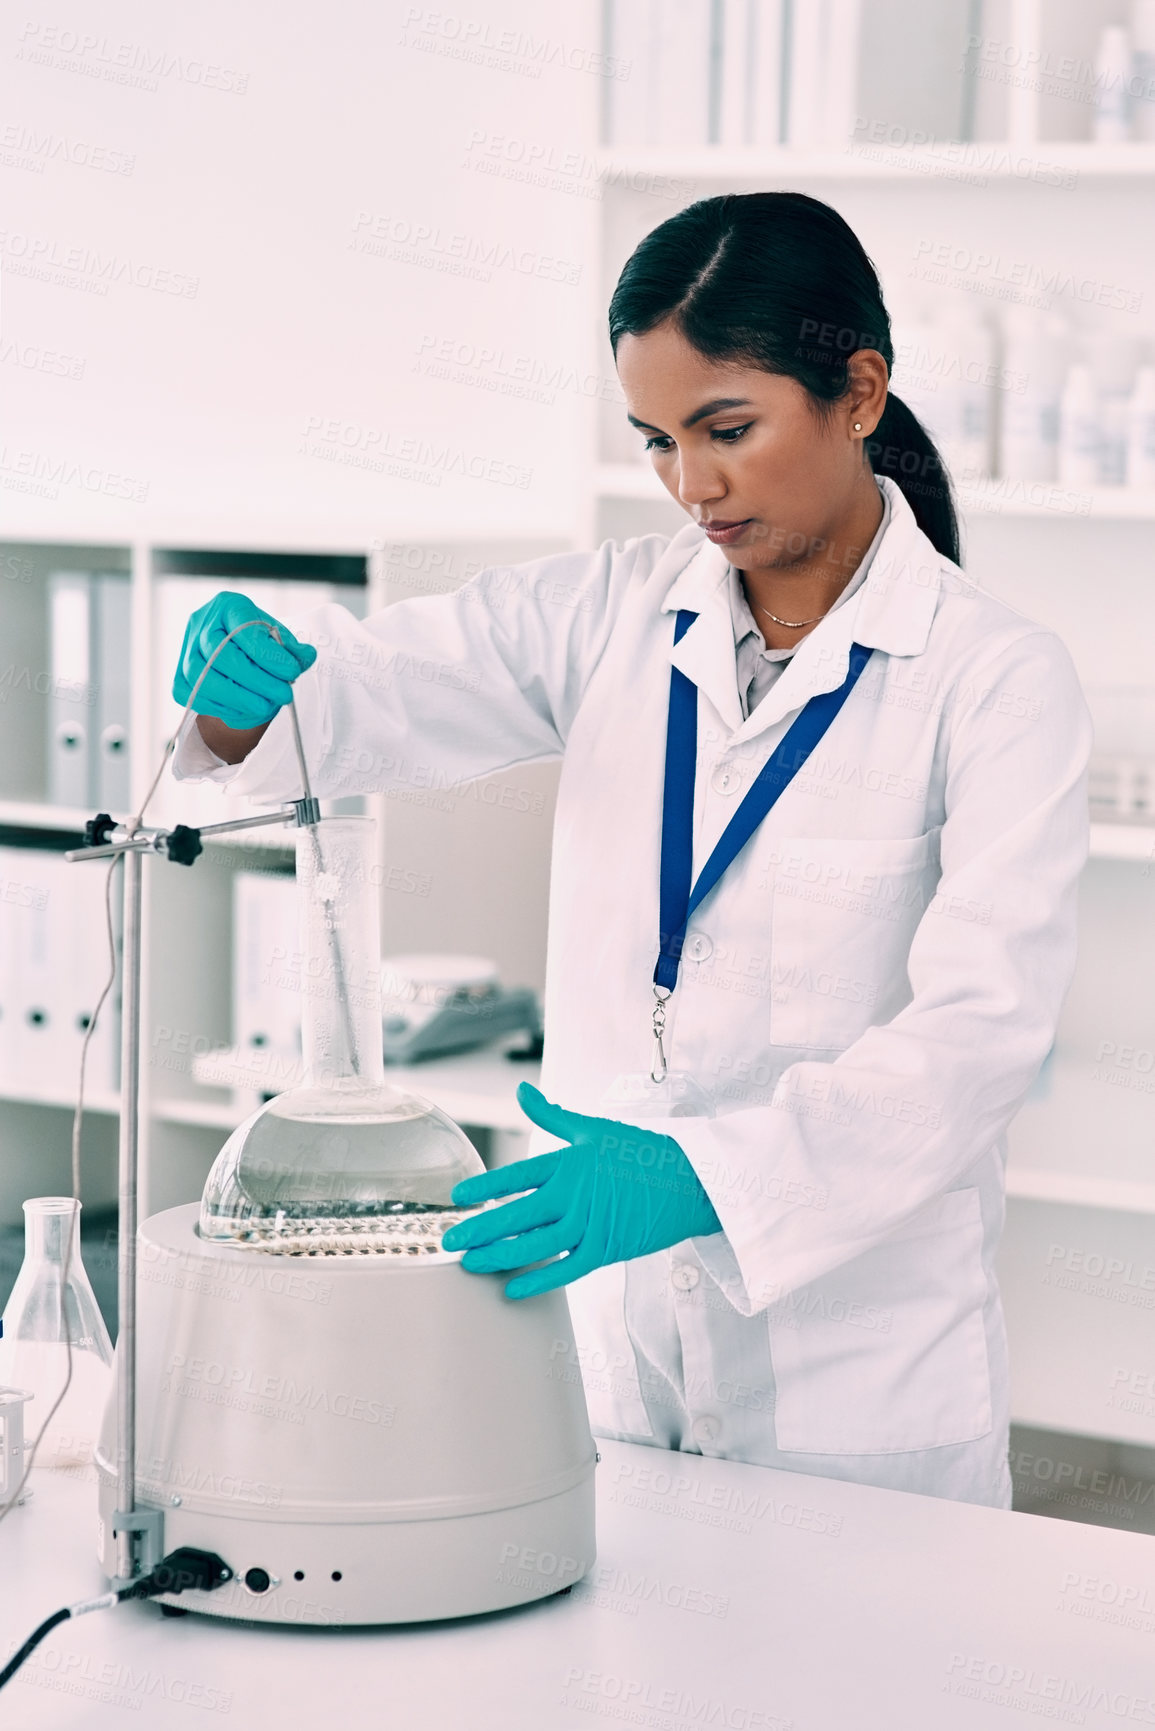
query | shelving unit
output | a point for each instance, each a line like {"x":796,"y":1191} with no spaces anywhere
{"x":996,"y":159}
{"x":1074,"y":1160}
{"x":999,"y":497}
{"x":1081,"y":1152}
{"x":187,"y":913}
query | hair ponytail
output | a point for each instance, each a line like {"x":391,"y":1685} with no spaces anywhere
{"x":780,"y":281}
{"x":901,"y":448}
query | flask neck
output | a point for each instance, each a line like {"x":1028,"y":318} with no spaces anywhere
{"x":338,"y":877}
{"x":48,"y":1221}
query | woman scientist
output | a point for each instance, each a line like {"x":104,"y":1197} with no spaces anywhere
{"x":820,"y":821}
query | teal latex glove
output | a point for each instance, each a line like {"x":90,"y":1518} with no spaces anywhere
{"x":253,"y":675}
{"x":616,"y":1192}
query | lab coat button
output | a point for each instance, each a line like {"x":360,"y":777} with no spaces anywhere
{"x":685,"y":1276}
{"x":725,"y":779}
{"x":699,"y":947}
{"x":705,"y":1430}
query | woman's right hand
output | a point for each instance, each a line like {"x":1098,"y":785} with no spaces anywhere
{"x":252,"y":677}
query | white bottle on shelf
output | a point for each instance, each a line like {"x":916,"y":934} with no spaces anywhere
{"x":944,"y":371}
{"x":631,"y":97}
{"x":733,"y":23}
{"x":766,"y":73}
{"x":1143,"y":69}
{"x":1034,"y":367}
{"x":915,"y":375}
{"x":1113,"y":355}
{"x":1112,"y":85}
{"x":1141,"y":431}
{"x":1080,"y":429}
{"x":822,"y":74}
{"x":681,"y":43}
{"x":1114,"y":409}
{"x":969,"y":371}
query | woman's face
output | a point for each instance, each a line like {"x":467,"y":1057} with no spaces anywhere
{"x":746,"y":453}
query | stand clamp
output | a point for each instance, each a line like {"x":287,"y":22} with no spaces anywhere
{"x":139,"y":1535}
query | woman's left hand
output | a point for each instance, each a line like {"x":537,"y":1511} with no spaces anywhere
{"x":614,"y":1193}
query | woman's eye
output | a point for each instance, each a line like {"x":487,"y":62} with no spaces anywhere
{"x":730,"y":435}
{"x":659,"y":443}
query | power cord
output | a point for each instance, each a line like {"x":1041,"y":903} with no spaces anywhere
{"x":74,"y":1220}
{"x":181,"y":1570}
{"x":78,"y":1115}
{"x":184,"y":1568}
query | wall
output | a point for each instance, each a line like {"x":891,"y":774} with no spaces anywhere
{"x":244,"y":234}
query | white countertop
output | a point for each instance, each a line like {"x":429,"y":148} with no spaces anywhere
{"x":725,"y":1596}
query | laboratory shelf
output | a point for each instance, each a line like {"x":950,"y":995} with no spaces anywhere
{"x":1123,"y":841}
{"x":40,"y":814}
{"x":1080,"y":1190}
{"x":477,"y":1088}
{"x":200,"y":1114}
{"x":95,"y":1099}
{"x":1027,"y":162}
{"x":60,"y":523}
{"x":629,"y":481}
{"x":1084,"y":1136}
{"x":1068,"y":1144}
{"x":1007,"y":497}
{"x":996,"y":497}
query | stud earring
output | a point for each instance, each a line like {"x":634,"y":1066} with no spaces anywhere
{"x":858,"y":426}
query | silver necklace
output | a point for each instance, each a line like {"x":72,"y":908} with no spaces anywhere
{"x":790,"y":624}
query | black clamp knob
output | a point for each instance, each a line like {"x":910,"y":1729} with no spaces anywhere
{"x":183,"y":844}
{"x":98,"y":830}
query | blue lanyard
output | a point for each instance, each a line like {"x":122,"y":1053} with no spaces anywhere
{"x":679,"y":896}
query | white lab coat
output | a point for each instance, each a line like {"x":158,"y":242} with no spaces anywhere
{"x":868,"y":993}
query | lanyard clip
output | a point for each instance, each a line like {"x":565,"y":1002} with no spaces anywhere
{"x":658,"y":1070}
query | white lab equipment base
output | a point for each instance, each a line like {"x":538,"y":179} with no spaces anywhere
{"x":386,"y":1420}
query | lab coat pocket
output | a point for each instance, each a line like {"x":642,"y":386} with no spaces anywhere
{"x":888,"y":1353}
{"x":843,"y":914}
{"x":604,"y":1355}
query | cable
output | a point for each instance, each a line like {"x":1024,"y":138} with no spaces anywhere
{"x":78,"y":1115}
{"x":181,"y":1570}
{"x":74,"y":1220}
{"x":38,"y":1635}
{"x":306,"y":788}
{"x":170,"y":744}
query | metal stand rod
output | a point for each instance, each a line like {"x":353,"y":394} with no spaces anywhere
{"x":281,"y":817}
{"x":139,"y":1532}
{"x":127,"y":1560}
{"x":153,"y":840}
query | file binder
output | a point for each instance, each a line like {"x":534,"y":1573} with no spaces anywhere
{"x":88,"y":747}
{"x":266,"y":939}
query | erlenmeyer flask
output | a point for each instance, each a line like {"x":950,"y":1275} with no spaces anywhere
{"x":33,"y":1350}
{"x":345,"y":1162}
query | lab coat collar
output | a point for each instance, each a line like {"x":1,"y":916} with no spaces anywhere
{"x":892,"y":611}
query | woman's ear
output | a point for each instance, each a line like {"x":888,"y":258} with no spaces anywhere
{"x":867,"y":379}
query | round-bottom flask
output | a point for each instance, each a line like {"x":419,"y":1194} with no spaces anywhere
{"x":346,"y":1162}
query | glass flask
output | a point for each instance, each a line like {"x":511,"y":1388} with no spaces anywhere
{"x":346,"y":1162}
{"x":33,"y":1348}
